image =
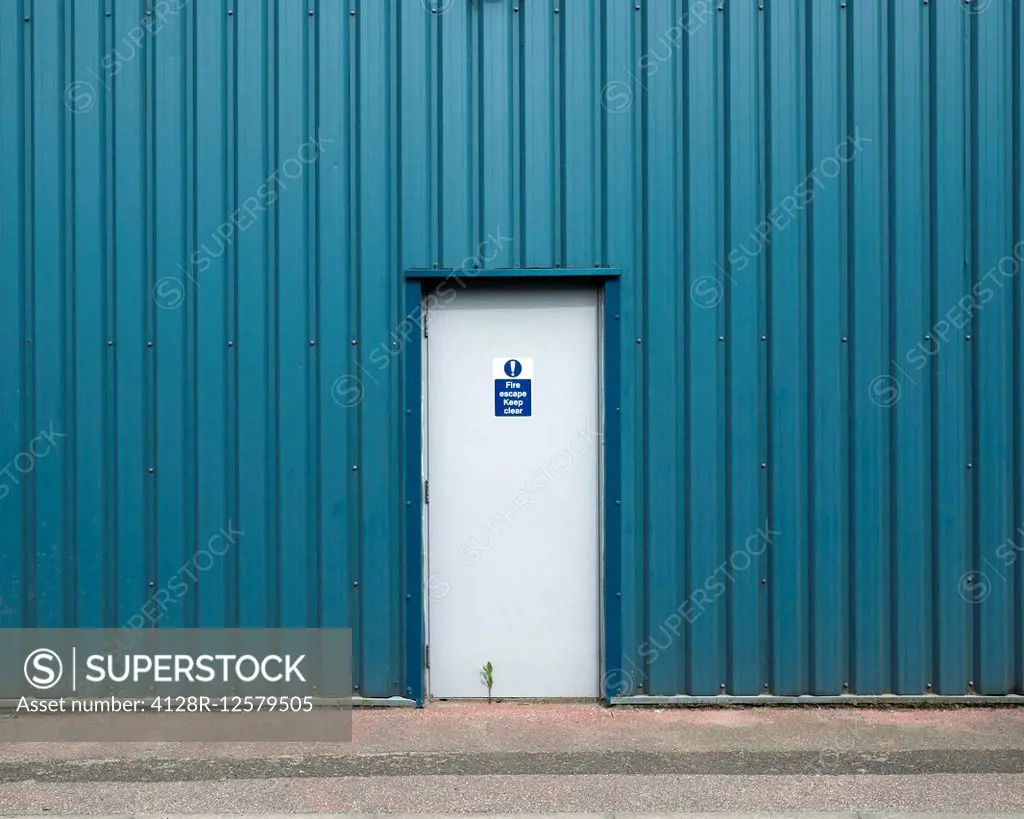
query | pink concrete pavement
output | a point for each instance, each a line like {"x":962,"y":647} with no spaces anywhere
{"x":531,"y":727}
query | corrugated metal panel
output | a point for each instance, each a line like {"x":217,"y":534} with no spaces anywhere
{"x":882,"y":140}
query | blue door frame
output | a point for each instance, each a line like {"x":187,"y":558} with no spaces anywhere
{"x":419,"y":285}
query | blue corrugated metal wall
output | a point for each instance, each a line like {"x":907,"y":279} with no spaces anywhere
{"x":809,"y":202}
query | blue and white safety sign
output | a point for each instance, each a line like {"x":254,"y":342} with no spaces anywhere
{"x":513,"y":380}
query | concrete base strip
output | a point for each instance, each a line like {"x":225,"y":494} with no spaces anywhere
{"x":941,"y":701}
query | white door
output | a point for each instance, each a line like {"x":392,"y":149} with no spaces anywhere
{"x":512,"y":461}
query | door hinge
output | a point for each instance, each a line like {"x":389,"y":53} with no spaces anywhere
{"x":428,"y":656}
{"x":426,"y":491}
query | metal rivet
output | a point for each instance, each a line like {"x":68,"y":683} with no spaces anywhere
{"x":353,"y":342}
{"x":108,"y":14}
{"x":353,"y":14}
{"x":969,"y":465}
{"x":617,"y":409}
{"x":927,"y":336}
{"x":354,"y":467}
{"x":311,"y":12}
{"x":355,"y":582}
{"x":764,"y":466}
{"x":639,"y":341}
{"x":722,"y":686}
{"x":766,"y":686}
{"x":844,"y":339}
{"x":845,"y":684}
{"x":408,"y":503}
{"x":408,"y":597}
{"x":152,"y":470}
{"x":970,"y":683}
{"x":151,"y":584}
{"x":110,"y":343}
{"x":355,"y":687}
{"x":230,"y":12}
{"x":928,"y":685}
{"x":764,"y":581}
{"x":618,"y":595}
{"x":312,"y":343}
{"x":764,"y":338}
{"x":618,"y":503}
{"x":408,"y":412}
{"x":231,"y":344}
{"x":149,"y":343}
{"x":556,"y":11}
{"x":616,"y":316}
{"x":968,"y":336}
{"x":515,"y":8}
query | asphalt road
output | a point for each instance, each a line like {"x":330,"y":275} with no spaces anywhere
{"x":568,"y":764}
{"x":964,"y":793}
